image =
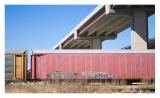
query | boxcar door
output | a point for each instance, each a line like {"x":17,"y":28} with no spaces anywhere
{"x":19,"y":67}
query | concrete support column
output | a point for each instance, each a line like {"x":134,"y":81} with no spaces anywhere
{"x":60,"y":46}
{"x":139,"y":32}
{"x":96,"y":44}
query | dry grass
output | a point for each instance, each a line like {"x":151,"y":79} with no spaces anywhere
{"x":75,"y":87}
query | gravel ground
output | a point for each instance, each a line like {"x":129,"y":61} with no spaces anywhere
{"x":75,"y":87}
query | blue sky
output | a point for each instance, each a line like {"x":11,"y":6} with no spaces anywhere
{"x":42,"y":27}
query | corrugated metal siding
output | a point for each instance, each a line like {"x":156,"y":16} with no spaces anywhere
{"x":8,"y":67}
{"x":118,"y":65}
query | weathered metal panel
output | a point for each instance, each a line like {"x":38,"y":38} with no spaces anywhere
{"x":97,"y":65}
{"x":8,"y":67}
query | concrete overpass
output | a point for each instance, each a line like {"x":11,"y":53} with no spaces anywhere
{"x":105,"y":22}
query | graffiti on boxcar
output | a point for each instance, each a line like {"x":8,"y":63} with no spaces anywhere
{"x":83,"y":75}
{"x":61,"y":75}
{"x":101,"y":75}
{"x":87,"y":75}
{"x":97,"y":75}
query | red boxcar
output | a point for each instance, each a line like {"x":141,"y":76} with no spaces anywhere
{"x":91,"y":64}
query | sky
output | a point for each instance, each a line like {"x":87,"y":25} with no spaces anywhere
{"x":43,"y":26}
{"x":40,"y":27}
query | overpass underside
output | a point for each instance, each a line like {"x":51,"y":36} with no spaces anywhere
{"x":105,"y":22}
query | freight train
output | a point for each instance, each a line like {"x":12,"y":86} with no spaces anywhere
{"x":88,"y":64}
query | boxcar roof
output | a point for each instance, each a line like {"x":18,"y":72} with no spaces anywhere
{"x":15,"y":51}
{"x":91,"y":51}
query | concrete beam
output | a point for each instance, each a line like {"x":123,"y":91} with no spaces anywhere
{"x":102,"y":24}
{"x":96,"y":44}
{"x":67,"y":42}
{"x":75,"y":34}
{"x":118,"y":29}
{"x":88,"y":26}
{"x":86,"y":45}
{"x":139,"y":34}
{"x":81,"y":44}
{"x":96,"y":37}
{"x":115,"y":24}
{"x":128,"y":11}
{"x":75,"y":43}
